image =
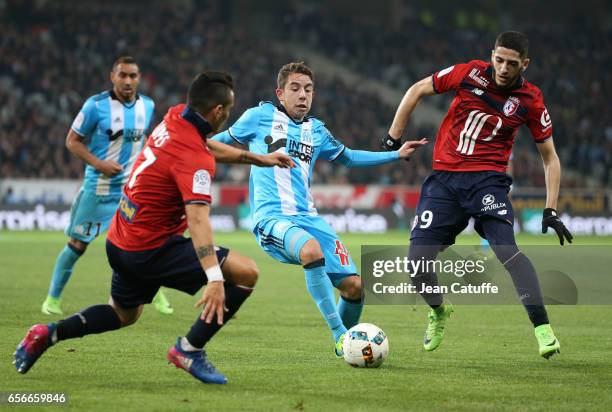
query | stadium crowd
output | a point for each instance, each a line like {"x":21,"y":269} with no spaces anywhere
{"x":425,"y":42}
{"x":56,"y":54}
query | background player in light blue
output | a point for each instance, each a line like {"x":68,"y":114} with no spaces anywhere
{"x":285,"y":221}
{"x":107,"y":135}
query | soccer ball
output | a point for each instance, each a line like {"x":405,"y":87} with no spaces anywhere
{"x":365,"y":346}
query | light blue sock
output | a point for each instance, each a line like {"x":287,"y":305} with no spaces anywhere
{"x":322,"y":291}
{"x":350,"y":311}
{"x":63,"y":269}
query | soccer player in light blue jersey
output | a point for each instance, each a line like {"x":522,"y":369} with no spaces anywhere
{"x":285,"y":221}
{"x":107,"y":135}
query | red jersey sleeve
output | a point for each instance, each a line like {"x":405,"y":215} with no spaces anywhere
{"x":193,"y":176}
{"x":538,"y":120}
{"x":449,"y":78}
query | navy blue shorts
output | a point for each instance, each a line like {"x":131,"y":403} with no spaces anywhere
{"x":449,"y":199}
{"x":137,"y":276}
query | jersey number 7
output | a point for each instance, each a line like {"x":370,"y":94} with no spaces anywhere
{"x":149,"y":160}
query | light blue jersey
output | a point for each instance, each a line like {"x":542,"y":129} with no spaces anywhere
{"x":276,"y":191}
{"x":114,"y":131}
{"x":283,"y":213}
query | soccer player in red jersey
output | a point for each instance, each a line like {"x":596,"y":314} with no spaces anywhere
{"x":167,"y":192}
{"x":473,"y":145}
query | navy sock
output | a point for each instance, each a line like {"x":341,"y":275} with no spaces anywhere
{"x":501,"y":237}
{"x":201,"y":332}
{"x":94,"y":319}
{"x":426,"y":250}
{"x":527,"y":286}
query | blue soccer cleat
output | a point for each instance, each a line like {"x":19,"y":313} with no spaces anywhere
{"x":35,"y":343}
{"x":196,"y":363}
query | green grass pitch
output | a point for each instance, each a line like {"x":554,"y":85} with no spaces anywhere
{"x":278,"y":354}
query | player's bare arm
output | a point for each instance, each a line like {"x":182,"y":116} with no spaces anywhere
{"x":213,"y":297}
{"x":225,"y":153}
{"x":74,"y":143}
{"x":404,"y":111}
{"x":552,"y":171}
{"x":552,"y":175}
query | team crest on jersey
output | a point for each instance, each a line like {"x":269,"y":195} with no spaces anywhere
{"x":511,"y":106}
{"x":342,"y":253}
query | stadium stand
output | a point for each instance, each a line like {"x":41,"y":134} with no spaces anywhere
{"x":55,"y":54}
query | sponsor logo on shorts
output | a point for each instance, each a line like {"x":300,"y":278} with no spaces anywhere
{"x":488,"y":201}
{"x":342,"y":253}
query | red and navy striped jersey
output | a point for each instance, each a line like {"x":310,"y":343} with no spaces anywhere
{"x":481,"y":124}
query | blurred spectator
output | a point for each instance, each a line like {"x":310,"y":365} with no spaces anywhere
{"x":9,"y":197}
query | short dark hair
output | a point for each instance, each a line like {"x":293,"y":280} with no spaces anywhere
{"x":209,"y":89}
{"x":126,"y":60}
{"x":293,"y":67}
{"x":513,"y":40}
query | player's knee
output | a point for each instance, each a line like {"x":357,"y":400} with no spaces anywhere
{"x":351,"y":288}
{"x":311,"y":252}
{"x":127,"y":316}
{"x":250,"y":273}
{"x":240,"y":270}
{"x":77,"y":244}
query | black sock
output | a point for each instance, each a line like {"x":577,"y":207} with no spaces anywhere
{"x":422,"y":250}
{"x":201,"y":332}
{"x":94,"y":319}
{"x":527,"y":286}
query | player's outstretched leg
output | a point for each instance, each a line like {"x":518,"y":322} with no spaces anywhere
{"x":95,"y":319}
{"x":62,"y":271}
{"x":321,"y":290}
{"x":188,"y":352}
{"x":426,"y":249}
{"x":161,"y":303}
{"x":525,"y":279}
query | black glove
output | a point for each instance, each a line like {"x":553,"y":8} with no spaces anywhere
{"x":550,"y":219}
{"x":390,"y":144}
